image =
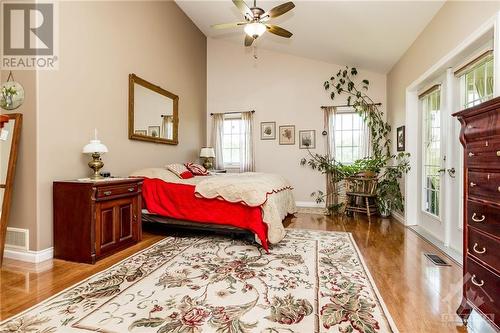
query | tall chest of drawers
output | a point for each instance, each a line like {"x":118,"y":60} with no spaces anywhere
{"x":480,"y":136}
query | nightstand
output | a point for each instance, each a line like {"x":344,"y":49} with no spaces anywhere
{"x":93,"y":219}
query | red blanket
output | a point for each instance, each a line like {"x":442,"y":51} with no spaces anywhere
{"x":178,"y":201}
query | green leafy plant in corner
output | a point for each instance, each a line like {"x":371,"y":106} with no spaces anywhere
{"x":390,"y":168}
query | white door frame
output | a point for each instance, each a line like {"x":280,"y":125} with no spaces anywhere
{"x":413,"y":133}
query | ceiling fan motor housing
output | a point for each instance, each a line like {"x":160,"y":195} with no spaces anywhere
{"x":257,"y":13}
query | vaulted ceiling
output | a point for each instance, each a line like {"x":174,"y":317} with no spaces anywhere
{"x":369,"y":34}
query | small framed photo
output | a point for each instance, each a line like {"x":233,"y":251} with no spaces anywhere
{"x":400,"y":136}
{"x":154,"y":131}
{"x":287,"y":135}
{"x":307,"y":139}
{"x":141,"y":132}
{"x":268,"y":130}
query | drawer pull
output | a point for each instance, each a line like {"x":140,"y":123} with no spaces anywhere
{"x":107,"y":192}
{"x":479,"y":220}
{"x":473,"y":279}
{"x":472,"y":184}
{"x":471,"y":154}
{"x":131,"y":189}
{"x":498,"y":153}
{"x":479,"y":251}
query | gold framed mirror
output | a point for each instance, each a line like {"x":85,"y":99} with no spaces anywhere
{"x":153,"y":112}
{"x":9,"y":143}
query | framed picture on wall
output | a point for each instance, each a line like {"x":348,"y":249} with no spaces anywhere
{"x":141,"y":132}
{"x":307,"y":139}
{"x":287,"y":135}
{"x":268,"y":130}
{"x":400,"y":136}
{"x":154,"y":131}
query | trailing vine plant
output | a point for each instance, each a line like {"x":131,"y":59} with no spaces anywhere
{"x":390,"y":168}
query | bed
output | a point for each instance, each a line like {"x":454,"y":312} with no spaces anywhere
{"x":254,"y":202}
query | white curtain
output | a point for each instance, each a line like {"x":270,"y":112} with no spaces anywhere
{"x":329,"y":127}
{"x":247,"y":161}
{"x":167,"y":127}
{"x":217,"y":137}
{"x":366,"y":140}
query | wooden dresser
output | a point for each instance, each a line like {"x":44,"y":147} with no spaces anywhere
{"x":96,"y":219}
{"x":480,"y":136}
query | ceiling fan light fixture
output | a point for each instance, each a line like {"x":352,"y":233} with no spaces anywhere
{"x":255,"y":29}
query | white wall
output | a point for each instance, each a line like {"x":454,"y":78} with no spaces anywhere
{"x":281,"y":88}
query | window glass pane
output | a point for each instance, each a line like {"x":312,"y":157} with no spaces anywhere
{"x":226,"y":143}
{"x":235,"y":155}
{"x":226,"y":155}
{"x":346,"y":138}
{"x":235,"y":141}
{"x":431,"y":145}
{"x":347,"y":122}
{"x":489,"y":79}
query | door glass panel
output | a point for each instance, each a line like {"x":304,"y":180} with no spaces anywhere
{"x":431,"y":129}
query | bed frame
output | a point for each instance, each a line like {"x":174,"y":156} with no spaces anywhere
{"x":195,"y":226}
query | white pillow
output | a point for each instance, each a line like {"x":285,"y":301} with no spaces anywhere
{"x":160,"y":173}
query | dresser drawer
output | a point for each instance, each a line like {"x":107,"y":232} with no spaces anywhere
{"x":482,"y":125}
{"x":484,"y":153}
{"x":485,"y":185}
{"x":117,"y":190}
{"x":484,"y":217}
{"x":482,"y":288}
{"x":484,"y":248}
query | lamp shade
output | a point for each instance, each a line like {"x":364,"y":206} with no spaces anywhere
{"x":95,"y":146}
{"x":255,"y":29}
{"x":207,"y":152}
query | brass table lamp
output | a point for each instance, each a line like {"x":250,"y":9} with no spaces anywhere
{"x":95,"y":148}
{"x":207,"y":153}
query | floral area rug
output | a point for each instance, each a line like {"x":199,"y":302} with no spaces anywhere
{"x":310,"y":282}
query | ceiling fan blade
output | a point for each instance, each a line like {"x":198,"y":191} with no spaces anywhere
{"x":274,"y":29}
{"x":242,"y":6}
{"x":228,"y":25}
{"x":278,"y":10}
{"x":248,"y":40}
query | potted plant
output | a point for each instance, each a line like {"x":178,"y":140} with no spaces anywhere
{"x":389,"y":196}
{"x":389,"y":168}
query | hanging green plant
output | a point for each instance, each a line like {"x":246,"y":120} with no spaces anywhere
{"x":390,"y":168}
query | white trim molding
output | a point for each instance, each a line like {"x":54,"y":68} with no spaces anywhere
{"x":398,"y":217}
{"x":29,"y":256}
{"x":309,"y":204}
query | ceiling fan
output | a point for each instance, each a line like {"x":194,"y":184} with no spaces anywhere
{"x":255,"y":21}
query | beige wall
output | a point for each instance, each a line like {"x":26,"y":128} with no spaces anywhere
{"x":23,"y":209}
{"x":452,"y":24}
{"x":281,"y":88}
{"x":100,"y":44}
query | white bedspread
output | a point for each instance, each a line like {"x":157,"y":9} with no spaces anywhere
{"x":271,"y":192}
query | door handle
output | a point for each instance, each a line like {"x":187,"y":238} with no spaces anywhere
{"x":441,"y":170}
{"x":451,"y":172}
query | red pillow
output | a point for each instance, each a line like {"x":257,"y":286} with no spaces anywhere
{"x":180,"y":170}
{"x":197,"y":169}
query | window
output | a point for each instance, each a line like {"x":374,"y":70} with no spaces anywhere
{"x":348,"y":132}
{"x":431,"y":113}
{"x":231,"y":141}
{"x":476,"y":81}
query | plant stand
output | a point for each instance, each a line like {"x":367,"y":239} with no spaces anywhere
{"x":361,"y":195}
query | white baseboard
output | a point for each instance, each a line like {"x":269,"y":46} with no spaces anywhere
{"x":400,"y":218}
{"x":309,"y":204}
{"x":29,"y":256}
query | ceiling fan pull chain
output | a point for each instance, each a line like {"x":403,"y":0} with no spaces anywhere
{"x":255,"y":56}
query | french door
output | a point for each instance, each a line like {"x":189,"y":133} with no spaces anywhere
{"x":433,"y":160}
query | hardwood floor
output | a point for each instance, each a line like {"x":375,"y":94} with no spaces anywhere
{"x":420,"y":297}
